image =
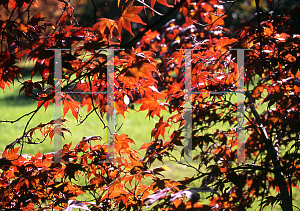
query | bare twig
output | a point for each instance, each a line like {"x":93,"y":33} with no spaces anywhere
{"x":95,"y":11}
{"x":13,"y":121}
{"x":94,"y":108}
{"x":146,"y":5}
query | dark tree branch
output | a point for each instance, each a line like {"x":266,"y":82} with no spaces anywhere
{"x":94,"y":107}
{"x":286,"y":204}
{"x":95,"y":11}
{"x":13,"y":121}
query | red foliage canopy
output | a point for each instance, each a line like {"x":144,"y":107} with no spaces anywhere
{"x":152,"y":74}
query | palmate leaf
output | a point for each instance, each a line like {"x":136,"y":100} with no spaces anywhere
{"x":151,"y":103}
{"x":70,"y":105}
{"x":130,"y":15}
{"x":159,"y":129}
{"x":105,"y":23}
{"x":121,"y":107}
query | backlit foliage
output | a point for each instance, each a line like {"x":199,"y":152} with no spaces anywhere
{"x":152,"y":74}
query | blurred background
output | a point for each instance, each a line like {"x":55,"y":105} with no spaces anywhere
{"x":84,"y":11}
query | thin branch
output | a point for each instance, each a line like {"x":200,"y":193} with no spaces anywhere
{"x":13,"y":121}
{"x":95,"y":107}
{"x":87,"y":73}
{"x":85,"y":118}
{"x":11,"y":14}
{"x":24,"y":133}
{"x":146,"y":5}
{"x":219,"y":16}
{"x":95,"y":11}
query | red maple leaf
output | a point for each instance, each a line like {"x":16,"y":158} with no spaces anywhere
{"x":130,"y":15}
{"x":70,"y":105}
{"x":105,"y":23}
{"x":151,"y":103}
{"x":177,"y":57}
{"x":121,"y":107}
{"x":159,"y":129}
{"x":163,"y":2}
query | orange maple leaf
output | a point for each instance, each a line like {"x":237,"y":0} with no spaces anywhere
{"x":23,"y":28}
{"x":121,"y":107}
{"x":130,"y":15}
{"x":177,"y":57}
{"x":159,"y":129}
{"x":70,"y":105}
{"x":163,"y":2}
{"x":151,"y":103}
{"x":11,"y":154}
{"x":105,"y":23}
{"x":122,"y":141}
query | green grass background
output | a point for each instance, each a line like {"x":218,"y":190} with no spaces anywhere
{"x":135,"y":125}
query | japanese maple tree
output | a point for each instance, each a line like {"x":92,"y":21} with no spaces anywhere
{"x":152,"y":74}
